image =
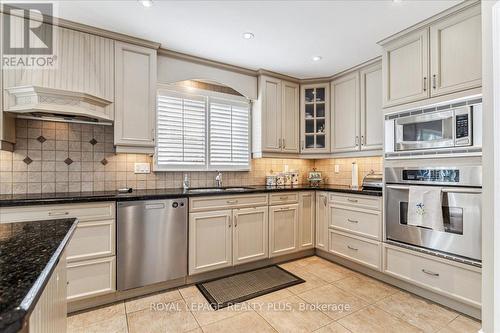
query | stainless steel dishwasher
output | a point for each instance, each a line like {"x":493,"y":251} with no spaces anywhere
{"x":151,"y":242}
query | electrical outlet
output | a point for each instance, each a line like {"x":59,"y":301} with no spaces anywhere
{"x":142,"y":168}
{"x":337,"y":168}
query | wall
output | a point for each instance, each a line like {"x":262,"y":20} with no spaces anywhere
{"x":343,"y":177}
{"x":59,"y":157}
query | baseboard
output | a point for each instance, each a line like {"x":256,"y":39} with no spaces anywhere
{"x":440,"y":299}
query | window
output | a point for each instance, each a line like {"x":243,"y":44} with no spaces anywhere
{"x":199,"y":130}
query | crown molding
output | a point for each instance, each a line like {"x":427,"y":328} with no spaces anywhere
{"x":278,"y":75}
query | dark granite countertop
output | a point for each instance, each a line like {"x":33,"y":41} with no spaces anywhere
{"x":167,"y":193}
{"x":29,"y":252}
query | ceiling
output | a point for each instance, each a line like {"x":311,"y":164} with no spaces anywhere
{"x":287,"y":33}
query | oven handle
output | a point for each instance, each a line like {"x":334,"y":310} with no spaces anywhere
{"x":444,"y":189}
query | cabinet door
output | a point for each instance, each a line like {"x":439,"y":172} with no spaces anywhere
{"x":456,"y":52}
{"x":306,"y":220}
{"x":91,"y":278}
{"x":405,"y":69}
{"x":315,"y":118}
{"x":322,"y":220}
{"x":290,"y":117}
{"x":135,"y":86}
{"x":345,"y":113}
{"x":210,"y":241}
{"x":271,"y":114}
{"x":283,"y":229}
{"x":250,"y":234}
{"x":371,"y":108}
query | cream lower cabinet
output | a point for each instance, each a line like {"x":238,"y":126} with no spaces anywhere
{"x":224,"y":238}
{"x":283,"y":229}
{"x":307,"y":219}
{"x":90,"y":254}
{"x":321,"y":241}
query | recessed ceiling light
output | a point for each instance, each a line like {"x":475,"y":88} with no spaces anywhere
{"x":317,"y":58}
{"x":397,"y":1}
{"x":248,"y":35}
{"x":146,"y":3}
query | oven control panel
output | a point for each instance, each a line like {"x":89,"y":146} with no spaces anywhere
{"x":432,"y":175}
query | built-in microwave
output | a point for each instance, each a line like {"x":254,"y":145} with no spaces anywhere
{"x":441,"y":129}
{"x":454,"y":128}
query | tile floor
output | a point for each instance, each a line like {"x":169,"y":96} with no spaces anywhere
{"x":333,"y":299}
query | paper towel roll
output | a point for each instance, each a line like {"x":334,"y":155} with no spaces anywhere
{"x":354,"y":176}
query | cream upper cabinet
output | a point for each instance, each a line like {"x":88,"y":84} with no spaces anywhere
{"x":345,"y":113}
{"x":250,"y":234}
{"x":7,"y":125}
{"x":135,"y":98}
{"x":290,"y":117}
{"x":322,"y":221}
{"x":210,"y":241}
{"x":307,"y":220}
{"x":456,"y":52}
{"x":276,"y":117}
{"x":283,"y":229}
{"x":315,"y":118}
{"x":371,"y":107}
{"x":406,"y":68}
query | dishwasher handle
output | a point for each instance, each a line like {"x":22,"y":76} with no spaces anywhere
{"x":160,"y":205}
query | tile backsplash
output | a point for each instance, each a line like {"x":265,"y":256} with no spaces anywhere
{"x":343,"y":177}
{"x":64,"y":157}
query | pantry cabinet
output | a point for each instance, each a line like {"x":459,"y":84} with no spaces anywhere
{"x":210,"y":240}
{"x":455,"y":45}
{"x":315,"y":118}
{"x":356,"y":99}
{"x":276,"y":117}
{"x":283,"y":229}
{"x":440,"y":58}
{"x":321,"y":241}
{"x":250,"y":234}
{"x":307,"y":220}
{"x":135,"y":106}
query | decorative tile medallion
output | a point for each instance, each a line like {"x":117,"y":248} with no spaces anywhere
{"x":27,"y":160}
{"x":93,"y":142}
{"x":41,"y":139}
{"x":104,"y":161}
{"x":68,"y":161}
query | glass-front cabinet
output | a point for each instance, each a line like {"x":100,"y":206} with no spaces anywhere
{"x":314,"y":118}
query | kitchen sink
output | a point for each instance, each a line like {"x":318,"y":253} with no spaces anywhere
{"x":218,"y":189}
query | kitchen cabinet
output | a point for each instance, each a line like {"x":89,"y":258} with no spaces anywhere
{"x":455,"y":46}
{"x":345,"y":113}
{"x":315,"y":118}
{"x":81,"y":82}
{"x":372,"y":134}
{"x":357,"y":119}
{"x":321,"y":241}
{"x":50,"y":311}
{"x":250,"y":234}
{"x":7,"y":123}
{"x":276,"y":117}
{"x":283,"y":229}
{"x":210,"y":241}
{"x":91,"y":278}
{"x":440,"y":58}
{"x":135,"y":100}
{"x":307,"y":220}
{"x":405,"y":65}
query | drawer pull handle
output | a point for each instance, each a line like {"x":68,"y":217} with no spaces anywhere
{"x":58,"y":213}
{"x":352,"y":221}
{"x":429,"y":272}
{"x":232,"y":202}
{"x":352,"y":248}
{"x":352,"y":200}
{"x":284,"y":198}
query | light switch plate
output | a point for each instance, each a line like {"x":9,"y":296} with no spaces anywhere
{"x":142,"y":168}
{"x":337,"y":168}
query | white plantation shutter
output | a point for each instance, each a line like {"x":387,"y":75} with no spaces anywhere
{"x":181,"y":122}
{"x":229,"y":133}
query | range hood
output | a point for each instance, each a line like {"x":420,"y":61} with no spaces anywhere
{"x":57,"y":105}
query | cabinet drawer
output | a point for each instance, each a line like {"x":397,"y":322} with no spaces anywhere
{"x":358,"y":221}
{"x":455,"y":280}
{"x":92,"y":240}
{"x":363,"y":251}
{"x":362,"y":201}
{"x":91,"y":278}
{"x":84,"y":212}
{"x":227,"y":201}
{"x":283,"y":198}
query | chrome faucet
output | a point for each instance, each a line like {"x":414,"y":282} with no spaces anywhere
{"x":185,"y":182}
{"x":218,"y":179}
